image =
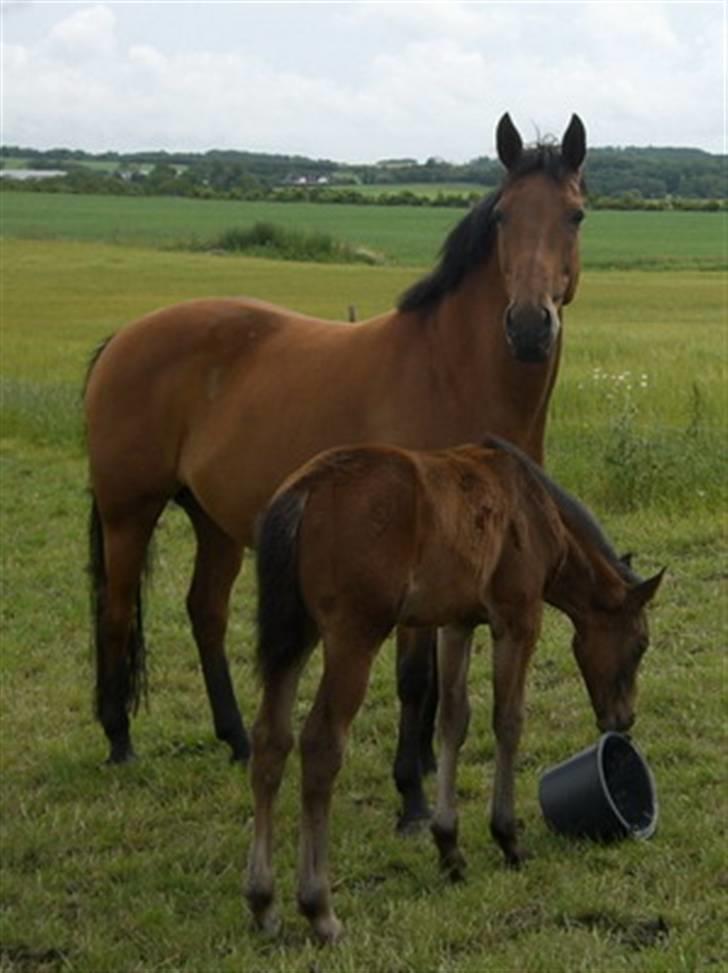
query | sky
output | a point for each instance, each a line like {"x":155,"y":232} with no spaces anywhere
{"x":359,"y":81}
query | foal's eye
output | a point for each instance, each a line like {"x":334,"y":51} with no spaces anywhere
{"x":577,"y":216}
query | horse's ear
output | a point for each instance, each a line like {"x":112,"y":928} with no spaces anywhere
{"x":645,"y":591}
{"x":508,"y":142}
{"x":573,"y":144}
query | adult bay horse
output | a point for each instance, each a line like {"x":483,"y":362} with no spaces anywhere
{"x":365,"y":538}
{"x":211,"y":403}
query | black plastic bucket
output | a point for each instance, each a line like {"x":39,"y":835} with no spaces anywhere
{"x":606,"y":792}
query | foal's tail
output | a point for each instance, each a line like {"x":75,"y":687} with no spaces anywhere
{"x":135,"y":683}
{"x":285,"y":629}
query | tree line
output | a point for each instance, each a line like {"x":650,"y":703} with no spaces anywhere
{"x":630,"y":177}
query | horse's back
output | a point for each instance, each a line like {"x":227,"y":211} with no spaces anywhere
{"x":185,"y":389}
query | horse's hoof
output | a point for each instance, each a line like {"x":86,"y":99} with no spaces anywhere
{"x":428,"y":762}
{"x":240,"y":758}
{"x":516,"y":858}
{"x":412,"y":824}
{"x":120,"y":755}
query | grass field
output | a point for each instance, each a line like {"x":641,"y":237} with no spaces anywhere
{"x":403,"y":235}
{"x":139,"y":869}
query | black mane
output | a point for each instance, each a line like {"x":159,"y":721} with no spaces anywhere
{"x":470,"y":242}
{"x":578,"y":517}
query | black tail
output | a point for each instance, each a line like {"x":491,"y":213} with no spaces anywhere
{"x":135,"y":683}
{"x":285,"y":629}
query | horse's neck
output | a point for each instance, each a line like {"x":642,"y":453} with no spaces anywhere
{"x":585,"y":579}
{"x":488,"y":390}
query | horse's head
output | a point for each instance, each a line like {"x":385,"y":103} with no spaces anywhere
{"x":538,"y":216}
{"x":609,"y":644}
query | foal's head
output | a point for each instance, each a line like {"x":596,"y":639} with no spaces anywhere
{"x":609,"y":643}
{"x":538,"y":214}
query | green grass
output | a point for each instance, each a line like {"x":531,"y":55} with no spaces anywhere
{"x":404,"y":235}
{"x":139,"y":869}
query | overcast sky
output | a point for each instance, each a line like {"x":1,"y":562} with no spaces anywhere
{"x":359,"y":81}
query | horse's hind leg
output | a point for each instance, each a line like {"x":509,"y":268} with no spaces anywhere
{"x":417,"y":691}
{"x":453,"y":651}
{"x":323,"y":740}
{"x":117,"y":571}
{"x":217,"y":564}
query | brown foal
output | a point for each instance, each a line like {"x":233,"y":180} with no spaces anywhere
{"x":366,"y":538}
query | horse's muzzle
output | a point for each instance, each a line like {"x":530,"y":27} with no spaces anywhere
{"x":531,"y":330}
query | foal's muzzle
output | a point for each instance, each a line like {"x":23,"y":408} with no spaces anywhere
{"x":618,"y":723}
{"x":531,"y":330}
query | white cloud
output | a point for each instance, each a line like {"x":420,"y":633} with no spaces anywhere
{"x":87,"y":33}
{"x":369,"y":81}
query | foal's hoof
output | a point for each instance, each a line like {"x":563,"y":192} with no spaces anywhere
{"x":264,"y":913}
{"x":454,"y":867}
{"x":328,"y":930}
{"x":268,"y":924}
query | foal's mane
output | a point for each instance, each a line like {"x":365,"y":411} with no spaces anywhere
{"x":578,"y":518}
{"x":470,"y":242}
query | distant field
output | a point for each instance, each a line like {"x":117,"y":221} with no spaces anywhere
{"x":422,"y":188}
{"x":404,"y":235}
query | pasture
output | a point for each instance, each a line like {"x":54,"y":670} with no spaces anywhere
{"x":140,"y":868}
{"x":403,"y":235}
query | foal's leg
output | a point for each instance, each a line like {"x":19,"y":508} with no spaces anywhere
{"x":217,"y":564}
{"x":417,"y":690}
{"x":125,"y":542}
{"x":513,"y":646}
{"x":340,"y":694}
{"x":453,"y":658}
{"x":272,"y":742}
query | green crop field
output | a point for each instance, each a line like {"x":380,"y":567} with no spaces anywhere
{"x":139,"y":868}
{"x":422,"y":188}
{"x":403,"y":235}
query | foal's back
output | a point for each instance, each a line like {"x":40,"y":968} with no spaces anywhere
{"x":419,"y":537}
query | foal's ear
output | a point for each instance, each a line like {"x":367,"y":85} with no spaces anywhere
{"x":645,"y":591}
{"x":508,"y":142}
{"x":573,"y":144}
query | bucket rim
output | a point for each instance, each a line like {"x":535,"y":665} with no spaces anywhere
{"x":633,"y":832}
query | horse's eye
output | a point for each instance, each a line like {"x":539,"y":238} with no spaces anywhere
{"x":577,"y":216}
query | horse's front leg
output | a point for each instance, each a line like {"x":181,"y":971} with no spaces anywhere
{"x":453,"y":661}
{"x":417,"y":691}
{"x":513,"y":644}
